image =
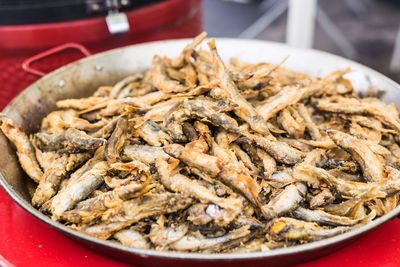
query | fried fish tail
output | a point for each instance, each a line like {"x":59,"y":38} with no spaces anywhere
{"x":25,"y":151}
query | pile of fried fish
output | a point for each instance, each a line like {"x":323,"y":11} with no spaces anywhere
{"x":195,"y":155}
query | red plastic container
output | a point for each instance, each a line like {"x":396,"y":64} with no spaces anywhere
{"x":165,"y":20}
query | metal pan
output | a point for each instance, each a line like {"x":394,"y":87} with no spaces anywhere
{"x":81,"y":78}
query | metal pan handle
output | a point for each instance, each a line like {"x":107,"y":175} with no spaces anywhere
{"x":26,"y":65}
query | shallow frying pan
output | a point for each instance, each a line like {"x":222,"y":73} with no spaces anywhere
{"x":81,"y":78}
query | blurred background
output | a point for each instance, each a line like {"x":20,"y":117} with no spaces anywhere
{"x":363,"y":30}
{"x":367,"y":31}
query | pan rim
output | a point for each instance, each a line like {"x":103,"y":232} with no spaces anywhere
{"x":200,"y":256}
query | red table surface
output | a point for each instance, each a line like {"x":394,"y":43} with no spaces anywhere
{"x":25,"y":241}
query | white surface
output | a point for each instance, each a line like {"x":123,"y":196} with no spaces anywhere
{"x":301,"y":23}
{"x":117,"y":23}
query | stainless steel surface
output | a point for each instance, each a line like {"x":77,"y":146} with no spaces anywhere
{"x":81,"y":79}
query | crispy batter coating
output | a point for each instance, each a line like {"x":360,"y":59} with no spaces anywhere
{"x":195,"y":155}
